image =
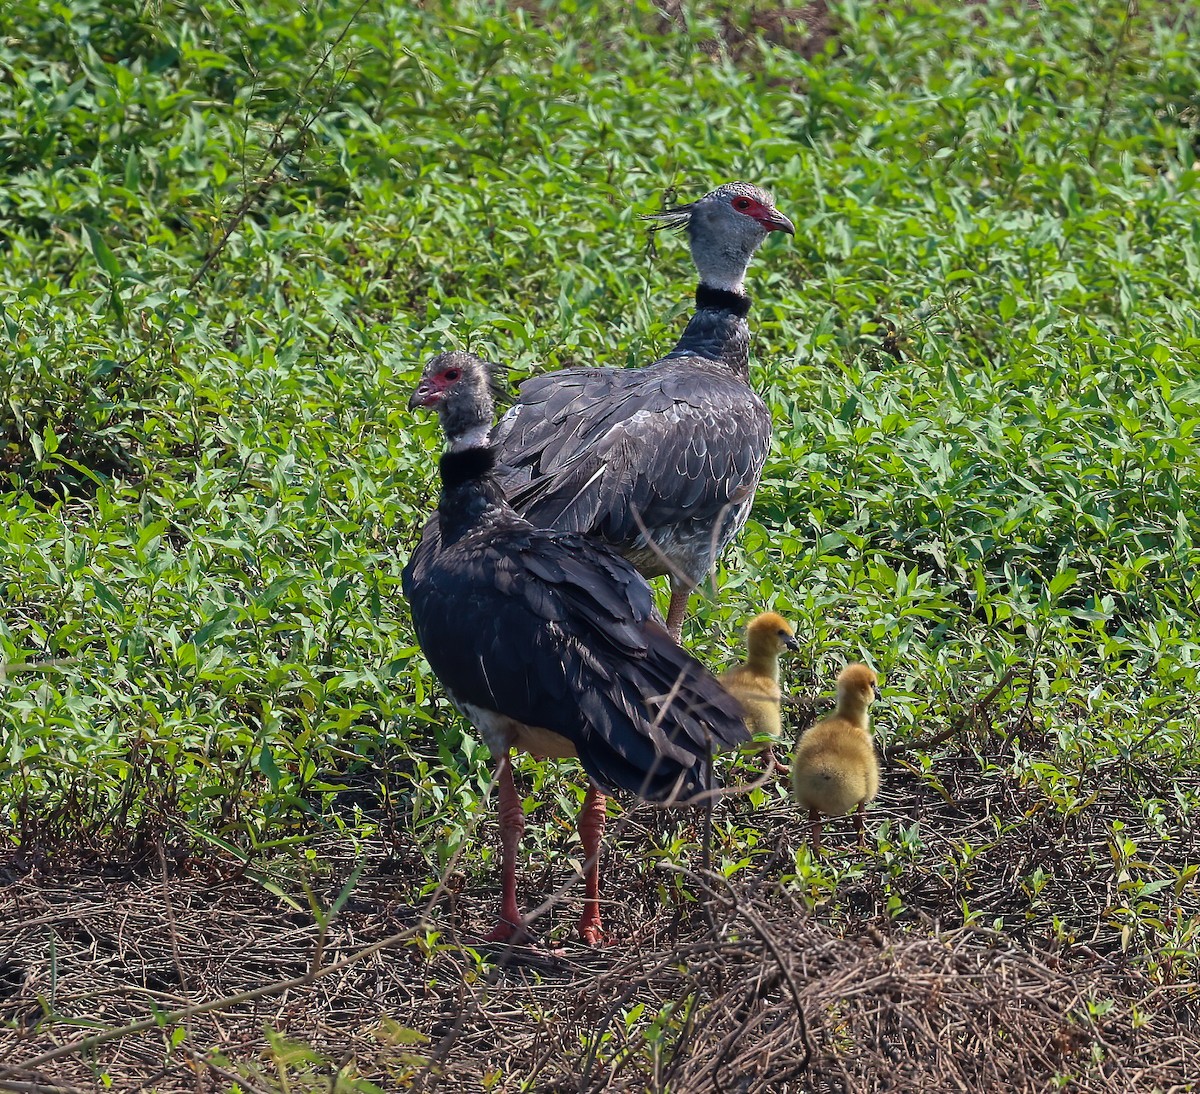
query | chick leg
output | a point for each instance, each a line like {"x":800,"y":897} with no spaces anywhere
{"x":814,"y":819}
{"x":860,"y":818}
{"x":772,"y":763}
{"x":512,"y":828}
{"x":677,"y":609}
{"x":591,"y":832}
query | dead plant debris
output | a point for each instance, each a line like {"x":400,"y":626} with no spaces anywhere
{"x":696,"y":998}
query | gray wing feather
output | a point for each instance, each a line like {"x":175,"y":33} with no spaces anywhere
{"x":600,"y":450}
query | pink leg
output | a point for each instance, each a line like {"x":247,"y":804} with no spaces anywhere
{"x":814,"y":819}
{"x":591,"y":832}
{"x":512,"y":828}
{"x":677,"y":609}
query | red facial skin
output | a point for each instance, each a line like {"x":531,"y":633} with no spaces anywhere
{"x":432,"y":389}
{"x":771,"y":220}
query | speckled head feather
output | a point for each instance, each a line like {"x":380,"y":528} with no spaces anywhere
{"x":724,"y":229}
{"x":463,"y":389}
{"x":678,"y":216}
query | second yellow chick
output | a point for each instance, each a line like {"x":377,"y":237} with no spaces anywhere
{"x":755,"y":683}
{"x":835,"y":769}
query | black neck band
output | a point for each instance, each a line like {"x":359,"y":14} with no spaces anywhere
{"x":465,"y":466}
{"x":722,"y":299}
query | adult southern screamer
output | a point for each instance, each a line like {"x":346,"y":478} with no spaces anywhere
{"x":550,"y":642}
{"x":660,"y":463}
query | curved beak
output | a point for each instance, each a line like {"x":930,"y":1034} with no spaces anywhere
{"x":425,"y":394}
{"x":790,"y":641}
{"x":774,"y":221}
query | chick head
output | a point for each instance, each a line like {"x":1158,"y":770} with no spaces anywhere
{"x":770,"y":633}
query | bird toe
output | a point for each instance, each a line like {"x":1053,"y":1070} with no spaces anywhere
{"x":507,"y":931}
{"x":592,"y":933}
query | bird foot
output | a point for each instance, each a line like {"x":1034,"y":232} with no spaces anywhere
{"x":780,"y":768}
{"x":507,"y":931}
{"x":592,"y":927}
{"x":591,"y":933}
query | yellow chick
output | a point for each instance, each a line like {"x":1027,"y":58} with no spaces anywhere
{"x":835,"y":769}
{"x":755,"y":684}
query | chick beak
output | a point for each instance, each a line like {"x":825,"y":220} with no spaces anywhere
{"x":790,"y":641}
{"x":774,"y":221}
{"x":878,"y":693}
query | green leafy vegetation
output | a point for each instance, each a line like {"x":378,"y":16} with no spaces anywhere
{"x":231,"y":232}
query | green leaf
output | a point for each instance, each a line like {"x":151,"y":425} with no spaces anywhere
{"x":267,"y":765}
{"x":1061,"y":582}
{"x":106,"y":597}
{"x":108,"y":261}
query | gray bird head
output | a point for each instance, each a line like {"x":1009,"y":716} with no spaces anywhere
{"x":462,"y":388}
{"x":724,"y":229}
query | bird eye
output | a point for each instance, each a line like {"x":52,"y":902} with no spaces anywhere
{"x":741,"y":203}
{"x":452,"y":374}
{"x":783,"y":633}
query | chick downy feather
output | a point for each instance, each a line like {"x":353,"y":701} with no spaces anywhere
{"x":755,"y":682}
{"x":835,"y":769}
